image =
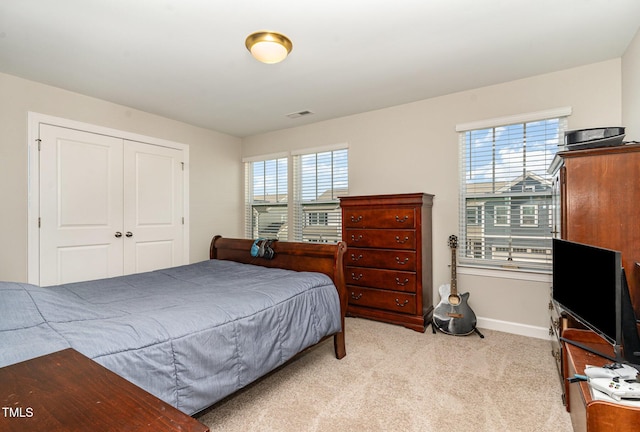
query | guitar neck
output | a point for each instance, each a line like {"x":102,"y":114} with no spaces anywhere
{"x":454,"y":287}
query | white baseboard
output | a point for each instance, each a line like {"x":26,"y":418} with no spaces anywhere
{"x":514,"y":328}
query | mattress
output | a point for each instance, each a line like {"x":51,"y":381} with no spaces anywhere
{"x":190,"y":335}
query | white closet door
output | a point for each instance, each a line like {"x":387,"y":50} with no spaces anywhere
{"x":153,"y":201}
{"x":81,"y":206}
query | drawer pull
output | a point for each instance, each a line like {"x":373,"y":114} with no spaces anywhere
{"x":355,"y":297}
{"x":356,"y":258}
{"x":356,"y":219}
{"x":354,"y":239}
{"x":406,"y":281}
{"x":401,"y":304}
{"x":406,"y":239}
{"x":403,"y":219}
{"x":402,"y":262}
{"x":354,"y":277}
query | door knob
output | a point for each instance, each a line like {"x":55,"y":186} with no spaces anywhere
{"x":129,"y":234}
{"x":118,"y":234}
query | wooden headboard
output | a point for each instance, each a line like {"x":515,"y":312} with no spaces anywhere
{"x":324,"y":258}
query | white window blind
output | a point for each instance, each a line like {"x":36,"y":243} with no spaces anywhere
{"x":266,"y":198}
{"x":318,"y":180}
{"x":505,"y":197}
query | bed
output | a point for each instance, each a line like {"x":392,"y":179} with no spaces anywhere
{"x":190,"y":335}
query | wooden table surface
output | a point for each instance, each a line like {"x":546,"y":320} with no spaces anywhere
{"x":66,"y":391}
{"x":589,"y":414}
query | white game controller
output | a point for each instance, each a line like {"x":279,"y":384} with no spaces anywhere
{"x":613,"y":370}
{"x":617,"y":388}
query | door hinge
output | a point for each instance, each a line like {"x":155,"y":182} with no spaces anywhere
{"x":182,"y":163}
{"x":39,"y":222}
{"x":39,"y":141}
{"x":182,"y":220}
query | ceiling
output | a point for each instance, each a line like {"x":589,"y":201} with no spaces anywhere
{"x":186,"y":59}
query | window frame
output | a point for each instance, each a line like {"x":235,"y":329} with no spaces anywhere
{"x":482,"y":259}
{"x":250,"y":205}
{"x":536,"y":221}
{"x":295,"y":210}
{"x":303,"y":207}
{"x":497,"y":215}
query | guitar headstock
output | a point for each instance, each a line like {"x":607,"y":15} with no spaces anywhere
{"x":453,"y":241}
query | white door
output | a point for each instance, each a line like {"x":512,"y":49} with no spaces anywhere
{"x":108,"y":206}
{"x":153,"y":223}
{"x":81,"y":205}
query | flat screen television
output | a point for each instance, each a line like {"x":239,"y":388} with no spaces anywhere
{"x":590,"y":284}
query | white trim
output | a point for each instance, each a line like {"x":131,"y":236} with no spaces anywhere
{"x":33,"y":199}
{"x":34,"y":120}
{"x":517,"y":274}
{"x":517,"y":118}
{"x":514,"y":328}
{"x":332,"y":147}
{"x":259,"y":158}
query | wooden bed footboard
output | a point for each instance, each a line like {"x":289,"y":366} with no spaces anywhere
{"x":315,"y":257}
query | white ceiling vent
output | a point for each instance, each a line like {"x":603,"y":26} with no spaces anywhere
{"x":299,"y":114}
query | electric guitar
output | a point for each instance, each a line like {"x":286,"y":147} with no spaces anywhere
{"x":453,"y":315}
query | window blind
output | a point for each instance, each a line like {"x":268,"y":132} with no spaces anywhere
{"x":506,"y":193}
{"x":266,"y":198}
{"x":318,"y":180}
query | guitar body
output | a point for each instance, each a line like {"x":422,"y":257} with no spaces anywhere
{"x":453,"y":315}
{"x":454,"y":319}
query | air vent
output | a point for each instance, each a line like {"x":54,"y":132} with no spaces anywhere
{"x":299,"y":114}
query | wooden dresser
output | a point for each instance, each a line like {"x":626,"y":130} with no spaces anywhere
{"x":599,"y":196}
{"x":596,"y":194}
{"x":589,"y":414}
{"x":388,"y":264}
{"x":66,"y":391}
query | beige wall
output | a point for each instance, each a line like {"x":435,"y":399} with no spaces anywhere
{"x":407,"y":148}
{"x":215,"y":167}
{"x":414,"y":148}
{"x":631,"y":90}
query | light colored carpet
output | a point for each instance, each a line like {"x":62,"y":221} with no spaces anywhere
{"x":395,"y":379}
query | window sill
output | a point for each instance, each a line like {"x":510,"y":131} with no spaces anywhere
{"x":520,"y":274}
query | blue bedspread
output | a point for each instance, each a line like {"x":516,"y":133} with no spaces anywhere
{"x":190,"y":335}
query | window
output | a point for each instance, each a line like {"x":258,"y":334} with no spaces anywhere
{"x":318,"y":179}
{"x":529,"y":215}
{"x":504,"y":172}
{"x":266,"y":198}
{"x":474,"y":215}
{"x":502,"y":215}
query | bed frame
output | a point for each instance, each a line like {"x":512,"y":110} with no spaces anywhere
{"x":316,"y":257}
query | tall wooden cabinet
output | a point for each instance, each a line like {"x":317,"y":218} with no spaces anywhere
{"x":388,"y":264}
{"x":599,"y":192}
{"x":597,"y":202}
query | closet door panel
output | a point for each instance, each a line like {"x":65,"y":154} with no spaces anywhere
{"x":80,"y":205}
{"x":153,"y":179}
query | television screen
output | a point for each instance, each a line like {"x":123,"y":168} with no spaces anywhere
{"x":587,"y":284}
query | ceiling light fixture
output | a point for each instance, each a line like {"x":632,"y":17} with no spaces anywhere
{"x":268,"y":47}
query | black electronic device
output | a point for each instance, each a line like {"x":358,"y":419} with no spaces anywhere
{"x":593,"y":138}
{"x":590,"y":284}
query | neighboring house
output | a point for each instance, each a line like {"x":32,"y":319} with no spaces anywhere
{"x":515,"y":212}
{"x":321,"y":219}
{"x":269,"y":217}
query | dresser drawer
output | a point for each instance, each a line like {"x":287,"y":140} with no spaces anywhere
{"x":383,"y":259}
{"x":386,"y":279}
{"x":384,"y":239}
{"x":379,"y":218}
{"x":382,"y":299}
{"x":556,"y":348}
